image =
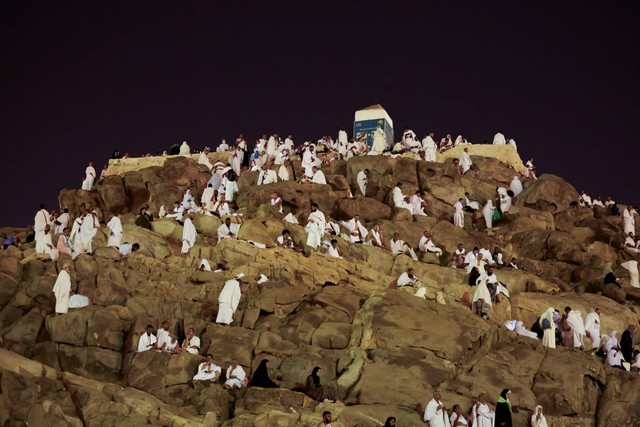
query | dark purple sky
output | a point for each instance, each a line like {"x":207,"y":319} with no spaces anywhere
{"x":561,"y":78}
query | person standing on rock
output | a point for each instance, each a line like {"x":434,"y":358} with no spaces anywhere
{"x":88,"y":230}
{"x":626,"y":343}
{"x":458,"y":214}
{"x":574,"y":320}
{"x":538,"y":419}
{"x":592,"y":328}
{"x":436,"y":412}
{"x":503,"y":409}
{"x":548,"y":327}
{"x":457,"y":418}
{"x":465,"y":161}
{"x":115,"y":235}
{"x":629,"y":221}
{"x":90,"y":176}
{"x":189,"y":235}
{"x":482,"y":415}
{"x":62,"y":290}
{"x":228,"y":300}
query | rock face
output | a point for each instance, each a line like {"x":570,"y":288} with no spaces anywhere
{"x":383,"y":349}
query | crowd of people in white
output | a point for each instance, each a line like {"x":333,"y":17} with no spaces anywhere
{"x":272,"y":158}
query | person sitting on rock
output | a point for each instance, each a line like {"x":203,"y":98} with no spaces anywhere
{"x":261,"y":377}
{"x":228,"y":230}
{"x":398,"y":246}
{"x":285,"y":240}
{"x":171,"y":344}
{"x":318,"y":392}
{"x":147,"y":340}
{"x":426,"y":245}
{"x":332,"y":249}
{"x":326,"y":419}
{"x":458,"y":260}
{"x":189,"y":235}
{"x":236,"y":377}
{"x":207,"y":371}
{"x":408,"y":278}
{"x":513,"y":264}
{"x":191,"y":343}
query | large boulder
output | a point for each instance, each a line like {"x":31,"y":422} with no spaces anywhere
{"x":548,"y":193}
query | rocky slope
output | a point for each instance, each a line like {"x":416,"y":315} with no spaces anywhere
{"x":384,"y":349}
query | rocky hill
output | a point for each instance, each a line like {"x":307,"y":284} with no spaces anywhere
{"x":384,"y":349}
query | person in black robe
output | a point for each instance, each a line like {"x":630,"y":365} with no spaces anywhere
{"x":261,"y":377}
{"x":626,"y":343}
{"x":503,"y":410}
{"x":144,"y":218}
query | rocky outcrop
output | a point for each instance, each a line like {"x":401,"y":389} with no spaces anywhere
{"x":384,"y":349}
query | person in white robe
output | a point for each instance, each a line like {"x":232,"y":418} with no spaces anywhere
{"x":207,"y":371}
{"x":357,"y":232}
{"x":408,"y":278}
{"x":62,"y":221}
{"x":223,"y":146}
{"x":227,"y":230}
{"x":363,"y":179}
{"x":458,"y":214}
{"x":505,"y":199}
{"x":482,"y":415}
{"x":163,"y":336}
{"x":41,"y":220}
{"x":592,"y":328}
{"x":426,"y":244}
{"x":235,"y":161}
{"x":331,"y":248}
{"x":629,"y":221}
{"x":487,"y":213}
{"x":228,"y":300}
{"x":115,"y":235}
{"x":612,"y":348}
{"x":89,"y":177}
{"x":236,"y":376}
{"x":418,"y":205}
{"x":203,"y":158}
{"x":230,"y":187}
{"x":318,"y":176}
{"x":575,"y":322}
{"x":470,"y":204}
{"x":458,"y":419}
{"x":191,"y":343}
{"x":207,"y":198}
{"x":430,"y":148}
{"x":465,"y":161}
{"x":44,"y":245}
{"x":518,"y":327}
{"x":316,"y":224}
{"x":499,"y":139}
{"x":379,"y":142}
{"x":147,"y":340}
{"x":272,"y":144}
{"x":538,"y":419}
{"x":189,"y":235}
{"x":185,"y":150}
{"x":549,"y":333}
{"x":74,"y":237}
{"x":408,"y":138}
{"x":267,"y":176}
{"x":482,"y":292}
{"x":62,"y":290}
{"x":188,"y":201}
{"x":88,"y":230}
{"x":283,"y":171}
{"x":309,"y":160}
{"x":276,"y":201}
{"x":398,"y":196}
{"x":376,"y":237}
{"x":597,"y":201}
{"x":222,"y":207}
{"x":436,"y":412}
{"x":584,"y":199}
{"x":634,"y":276}
{"x":399,"y":246}
{"x":486,"y":254}
{"x":516,"y":185}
